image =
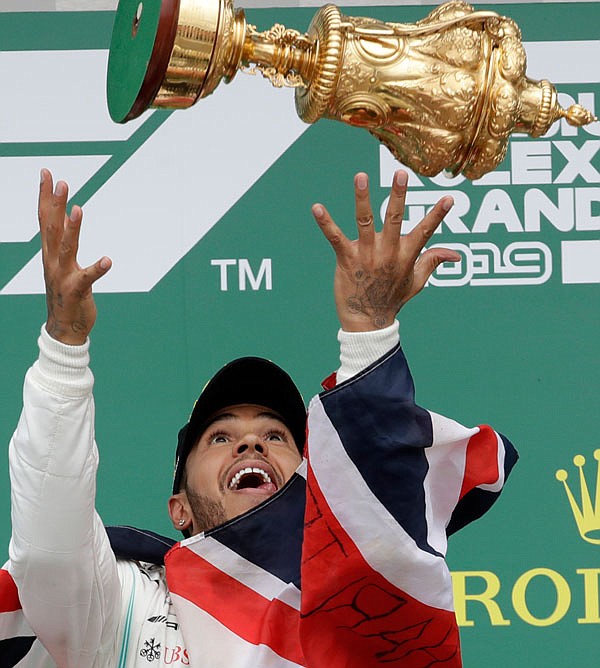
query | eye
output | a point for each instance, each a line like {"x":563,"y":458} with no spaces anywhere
{"x":276,"y":436}
{"x":218,"y":438}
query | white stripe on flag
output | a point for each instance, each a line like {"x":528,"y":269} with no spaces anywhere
{"x":443,"y":481}
{"x":13,"y":624}
{"x":383,"y":543}
{"x":264,"y":583}
{"x":213,"y":644}
{"x":499,"y":484}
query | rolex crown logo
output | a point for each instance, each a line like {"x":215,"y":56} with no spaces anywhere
{"x":587,"y":515}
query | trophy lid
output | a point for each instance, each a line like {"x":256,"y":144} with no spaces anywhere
{"x":141,"y":45}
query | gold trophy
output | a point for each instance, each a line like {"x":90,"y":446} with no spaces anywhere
{"x":443,"y":93}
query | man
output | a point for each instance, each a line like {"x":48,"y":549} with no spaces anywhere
{"x":337,"y":560}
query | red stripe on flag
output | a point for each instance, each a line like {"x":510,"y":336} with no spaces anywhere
{"x":481,"y":460}
{"x":242,"y":610}
{"x":352,"y":617}
{"x":9,"y":596}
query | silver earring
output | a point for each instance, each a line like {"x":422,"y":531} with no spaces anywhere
{"x":181,"y":523}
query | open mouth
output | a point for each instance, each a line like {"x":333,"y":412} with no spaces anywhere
{"x":253,"y":479}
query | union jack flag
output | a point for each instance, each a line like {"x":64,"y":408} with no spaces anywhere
{"x":344,"y":567}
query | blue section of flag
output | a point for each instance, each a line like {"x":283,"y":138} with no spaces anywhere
{"x":13,"y":650}
{"x":376,"y":410}
{"x":138,"y":544}
{"x":257,"y":535}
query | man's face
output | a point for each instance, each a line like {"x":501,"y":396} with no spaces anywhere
{"x":242,"y":458}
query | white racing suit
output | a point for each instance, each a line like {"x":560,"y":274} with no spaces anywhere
{"x":343,"y":567}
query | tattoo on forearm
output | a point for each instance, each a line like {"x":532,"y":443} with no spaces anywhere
{"x":61,"y":319}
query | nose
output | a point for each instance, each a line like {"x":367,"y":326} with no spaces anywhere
{"x":249,"y":444}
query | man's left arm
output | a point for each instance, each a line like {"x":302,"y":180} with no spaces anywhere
{"x":375,"y":275}
{"x":385,"y":476}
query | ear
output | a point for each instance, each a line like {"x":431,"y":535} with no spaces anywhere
{"x":180,"y":511}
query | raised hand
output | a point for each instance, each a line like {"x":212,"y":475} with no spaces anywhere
{"x":379,"y":272}
{"x":71,"y":307}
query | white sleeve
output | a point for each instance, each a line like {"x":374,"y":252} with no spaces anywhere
{"x":60,"y":557}
{"x":360,"y":349}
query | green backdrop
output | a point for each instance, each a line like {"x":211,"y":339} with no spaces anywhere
{"x":511,"y":340}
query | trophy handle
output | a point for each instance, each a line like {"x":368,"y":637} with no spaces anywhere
{"x":414,"y":30}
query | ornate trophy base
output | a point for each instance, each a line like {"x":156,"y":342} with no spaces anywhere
{"x":444,"y":93}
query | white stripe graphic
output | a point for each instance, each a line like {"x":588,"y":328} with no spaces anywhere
{"x":382,"y":542}
{"x":564,"y":62}
{"x":580,"y":261}
{"x":188,"y":173}
{"x":176,"y":187}
{"x":60,"y":96}
{"x":21,"y":221}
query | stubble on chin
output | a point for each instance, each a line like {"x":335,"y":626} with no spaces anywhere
{"x":207,"y":512}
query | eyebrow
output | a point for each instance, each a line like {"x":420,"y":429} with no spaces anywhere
{"x":231,"y":416}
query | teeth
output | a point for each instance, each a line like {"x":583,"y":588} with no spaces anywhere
{"x":238,"y":476}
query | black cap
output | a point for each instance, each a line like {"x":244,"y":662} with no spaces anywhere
{"x":247,"y":380}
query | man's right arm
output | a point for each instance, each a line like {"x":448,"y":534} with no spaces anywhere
{"x":60,"y":557}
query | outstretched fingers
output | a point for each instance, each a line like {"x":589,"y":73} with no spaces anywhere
{"x":69,"y":298}
{"x":89,"y":275}
{"x":69,"y":244}
{"x":428,"y":262}
{"x":415,"y":241}
{"x":365,"y":222}
{"x":51,"y":212}
{"x":69,"y":247}
{"x":336,"y":238}
{"x":394,"y":213}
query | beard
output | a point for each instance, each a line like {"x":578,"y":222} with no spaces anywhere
{"x":207,"y":513}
